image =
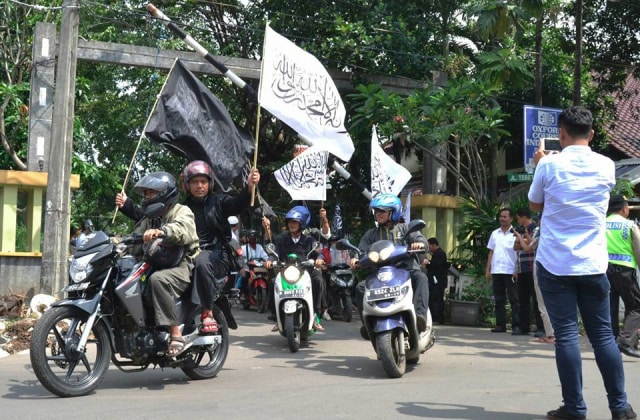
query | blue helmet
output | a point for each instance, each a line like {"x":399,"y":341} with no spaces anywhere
{"x":300,"y":214}
{"x":388,"y":202}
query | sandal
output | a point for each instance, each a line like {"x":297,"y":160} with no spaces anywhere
{"x":176,"y":346}
{"x":317,"y":326}
{"x":275,"y":328}
{"x":548,"y":340}
{"x":208,"y":326}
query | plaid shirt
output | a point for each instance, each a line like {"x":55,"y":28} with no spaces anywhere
{"x":526,"y":260}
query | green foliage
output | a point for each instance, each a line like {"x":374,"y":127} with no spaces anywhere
{"x":477,"y":111}
{"x":625,"y":187}
{"x":480,"y":290}
{"x":505,"y":66}
{"x":473,"y":235}
{"x":21,"y":237}
{"x":463,"y":117}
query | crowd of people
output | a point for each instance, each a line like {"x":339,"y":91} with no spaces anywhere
{"x":555,"y":268}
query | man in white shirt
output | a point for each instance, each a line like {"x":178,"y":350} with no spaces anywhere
{"x":573,"y":186}
{"x":235,"y":229}
{"x":501,"y":264}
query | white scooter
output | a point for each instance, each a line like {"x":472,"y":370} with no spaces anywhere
{"x":293,"y":298}
{"x":388,"y":312}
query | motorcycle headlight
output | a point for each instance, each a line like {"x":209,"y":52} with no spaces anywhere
{"x":80,"y":268}
{"x":291,"y":274}
{"x":377,"y":254}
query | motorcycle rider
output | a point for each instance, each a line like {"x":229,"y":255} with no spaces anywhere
{"x":86,"y":230}
{"x":164,"y":217}
{"x":294,"y":241}
{"x":251,"y":250}
{"x":128,"y":207}
{"x":387,"y":210}
{"x":211,"y":213}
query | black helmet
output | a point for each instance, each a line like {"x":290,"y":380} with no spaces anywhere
{"x":165,"y":184}
{"x":163,"y":254}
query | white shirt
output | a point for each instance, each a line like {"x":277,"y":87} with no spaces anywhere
{"x":574,"y":188}
{"x":251,"y":253}
{"x":504,"y":256}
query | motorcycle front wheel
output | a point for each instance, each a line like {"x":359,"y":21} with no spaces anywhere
{"x":389,"y":345}
{"x":58,"y":364}
{"x":208,"y":361}
{"x":347,"y":308}
{"x":260,"y":296}
{"x":293,"y":336}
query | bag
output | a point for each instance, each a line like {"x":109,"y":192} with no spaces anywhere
{"x":163,"y":254}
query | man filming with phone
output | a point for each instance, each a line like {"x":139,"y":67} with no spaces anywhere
{"x":551,"y":145}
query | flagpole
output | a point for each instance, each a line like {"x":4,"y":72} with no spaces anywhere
{"x":255,"y":149}
{"x":255,"y":154}
{"x":247,"y":88}
{"x":135,"y":153}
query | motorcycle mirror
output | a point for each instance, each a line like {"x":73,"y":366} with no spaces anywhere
{"x":315,"y":248}
{"x":345,"y":245}
{"x":414,"y":226}
{"x":271,"y":250}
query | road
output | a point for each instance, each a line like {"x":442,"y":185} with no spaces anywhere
{"x":471,"y":374}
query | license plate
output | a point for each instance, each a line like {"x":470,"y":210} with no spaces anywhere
{"x":292,"y":293}
{"x":343,"y":272}
{"x":383,"y":293}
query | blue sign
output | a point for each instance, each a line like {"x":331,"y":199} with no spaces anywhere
{"x":539,"y":123}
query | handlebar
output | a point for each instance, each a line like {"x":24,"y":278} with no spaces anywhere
{"x":280,"y":264}
{"x":134,"y":239}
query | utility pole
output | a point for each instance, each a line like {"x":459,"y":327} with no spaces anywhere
{"x":577,"y":69}
{"x":57,"y":206}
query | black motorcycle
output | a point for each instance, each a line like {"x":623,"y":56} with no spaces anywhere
{"x":340,"y":290}
{"x":105,"y":318}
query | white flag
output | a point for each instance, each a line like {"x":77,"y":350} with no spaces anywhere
{"x":296,"y":88}
{"x":387,"y":176}
{"x":305,"y":177}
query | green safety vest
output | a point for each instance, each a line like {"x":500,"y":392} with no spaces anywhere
{"x":619,"y":243}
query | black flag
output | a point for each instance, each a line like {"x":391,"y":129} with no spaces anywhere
{"x":190,"y":121}
{"x":337,"y":221}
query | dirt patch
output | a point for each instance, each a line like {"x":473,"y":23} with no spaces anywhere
{"x":17,"y":335}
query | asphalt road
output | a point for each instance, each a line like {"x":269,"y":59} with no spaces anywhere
{"x":471,"y":373}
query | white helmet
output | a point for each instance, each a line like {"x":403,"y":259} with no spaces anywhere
{"x":233,"y":220}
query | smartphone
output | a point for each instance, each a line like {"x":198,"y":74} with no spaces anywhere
{"x":551,"y":145}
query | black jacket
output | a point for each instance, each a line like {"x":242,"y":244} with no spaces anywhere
{"x":211,"y":216}
{"x":285,"y":246}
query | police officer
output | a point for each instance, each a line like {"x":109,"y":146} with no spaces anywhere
{"x":623,"y":246}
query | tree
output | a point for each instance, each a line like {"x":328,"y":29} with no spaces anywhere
{"x":15,"y":55}
{"x":463,"y":116}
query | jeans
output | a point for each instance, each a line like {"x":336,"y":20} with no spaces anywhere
{"x":563,"y":296}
